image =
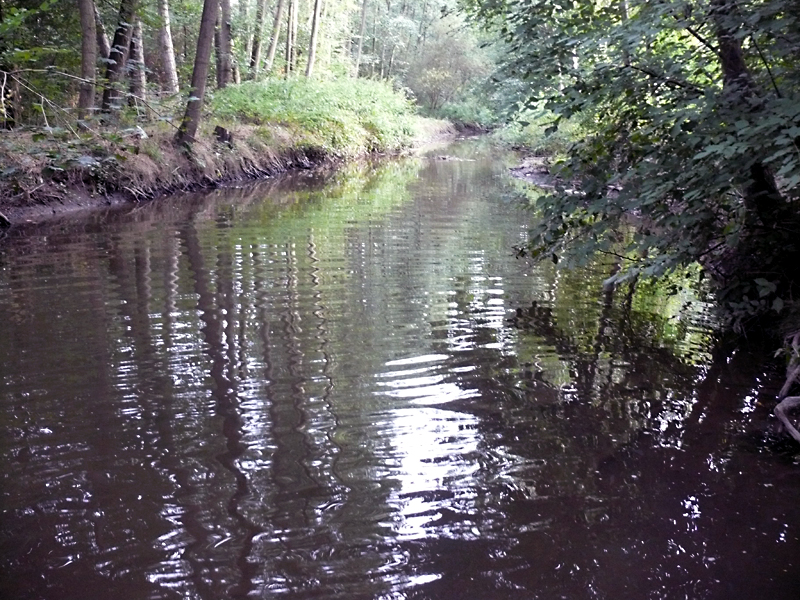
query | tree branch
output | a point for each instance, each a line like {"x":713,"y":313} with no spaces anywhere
{"x":82,"y":80}
{"x":668,"y":80}
{"x":695,"y":34}
{"x":766,"y":65}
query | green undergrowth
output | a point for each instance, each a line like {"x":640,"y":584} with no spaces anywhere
{"x":340,"y":117}
{"x":533,"y":132}
{"x":268,"y":127}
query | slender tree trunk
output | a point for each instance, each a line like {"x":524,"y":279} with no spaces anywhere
{"x":391,"y":62}
{"x":244,"y":30}
{"x":289,"y":39}
{"x":276,"y":31}
{"x":312,"y":44}
{"x":138,"y":79}
{"x":118,"y":55}
{"x":255,"y":56}
{"x":86,"y":9}
{"x":103,"y":45}
{"x":423,"y":28}
{"x":205,"y":39}
{"x":10,"y":109}
{"x":295,"y":10}
{"x":360,"y":37}
{"x":167,"y":50}
{"x":374,"y":31}
{"x":224,"y":49}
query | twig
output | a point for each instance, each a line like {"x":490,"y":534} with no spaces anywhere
{"x":675,"y":82}
{"x":702,"y":40}
{"x":101,"y":85}
{"x":23,"y":83}
{"x":611,"y":253}
{"x":44,"y":114}
{"x":766,"y":65}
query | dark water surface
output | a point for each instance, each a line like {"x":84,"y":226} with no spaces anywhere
{"x":312,"y":389}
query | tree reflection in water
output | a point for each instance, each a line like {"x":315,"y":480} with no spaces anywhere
{"x":338,"y":386}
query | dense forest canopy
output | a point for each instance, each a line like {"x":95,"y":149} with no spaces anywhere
{"x":134,"y":52}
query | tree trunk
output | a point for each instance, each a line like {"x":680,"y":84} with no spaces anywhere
{"x":118,"y":55}
{"x":224,"y":49}
{"x":289,"y":38}
{"x":167,"y":50}
{"x":312,"y":44}
{"x":391,"y":62}
{"x":9,"y":88}
{"x":374,"y":31}
{"x":138,"y":80}
{"x":86,"y":9}
{"x":103,"y":45}
{"x":361,"y":37}
{"x":255,"y":55}
{"x":194,"y":105}
{"x":243,"y":31}
{"x":762,"y":199}
{"x":295,"y":10}
{"x":276,"y":31}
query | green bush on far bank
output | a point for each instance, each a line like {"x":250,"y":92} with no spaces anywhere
{"x":470,"y":112}
{"x":341,"y":117}
{"x":531,"y":131}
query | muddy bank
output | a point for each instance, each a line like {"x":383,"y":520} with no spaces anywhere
{"x":46,"y":177}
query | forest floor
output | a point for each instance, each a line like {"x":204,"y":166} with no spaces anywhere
{"x":49,"y":174}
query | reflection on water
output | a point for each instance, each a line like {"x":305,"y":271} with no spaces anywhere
{"x":345,"y":386}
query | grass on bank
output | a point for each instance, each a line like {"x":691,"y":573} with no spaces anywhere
{"x":272,"y":126}
{"x":342,"y":117}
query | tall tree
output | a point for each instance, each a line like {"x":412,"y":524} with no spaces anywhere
{"x":88,"y":57}
{"x":103,"y":45}
{"x":312,"y":44}
{"x":295,"y":5}
{"x":119,"y":53}
{"x":258,"y":33}
{"x":205,"y":40}
{"x":361,"y":27}
{"x":224,"y":45}
{"x":167,"y":50}
{"x":276,"y":30}
{"x":136,"y":66}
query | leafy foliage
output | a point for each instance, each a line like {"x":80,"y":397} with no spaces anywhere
{"x":676,"y":141}
{"x":345,"y":116}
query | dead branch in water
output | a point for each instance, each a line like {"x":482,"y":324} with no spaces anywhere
{"x":787,"y":403}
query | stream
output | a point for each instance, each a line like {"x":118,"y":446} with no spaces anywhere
{"x":345,"y":385}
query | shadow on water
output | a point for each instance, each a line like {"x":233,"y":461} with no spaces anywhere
{"x":346,"y":386}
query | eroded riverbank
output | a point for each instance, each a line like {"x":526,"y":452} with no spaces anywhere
{"x":46,"y":177}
